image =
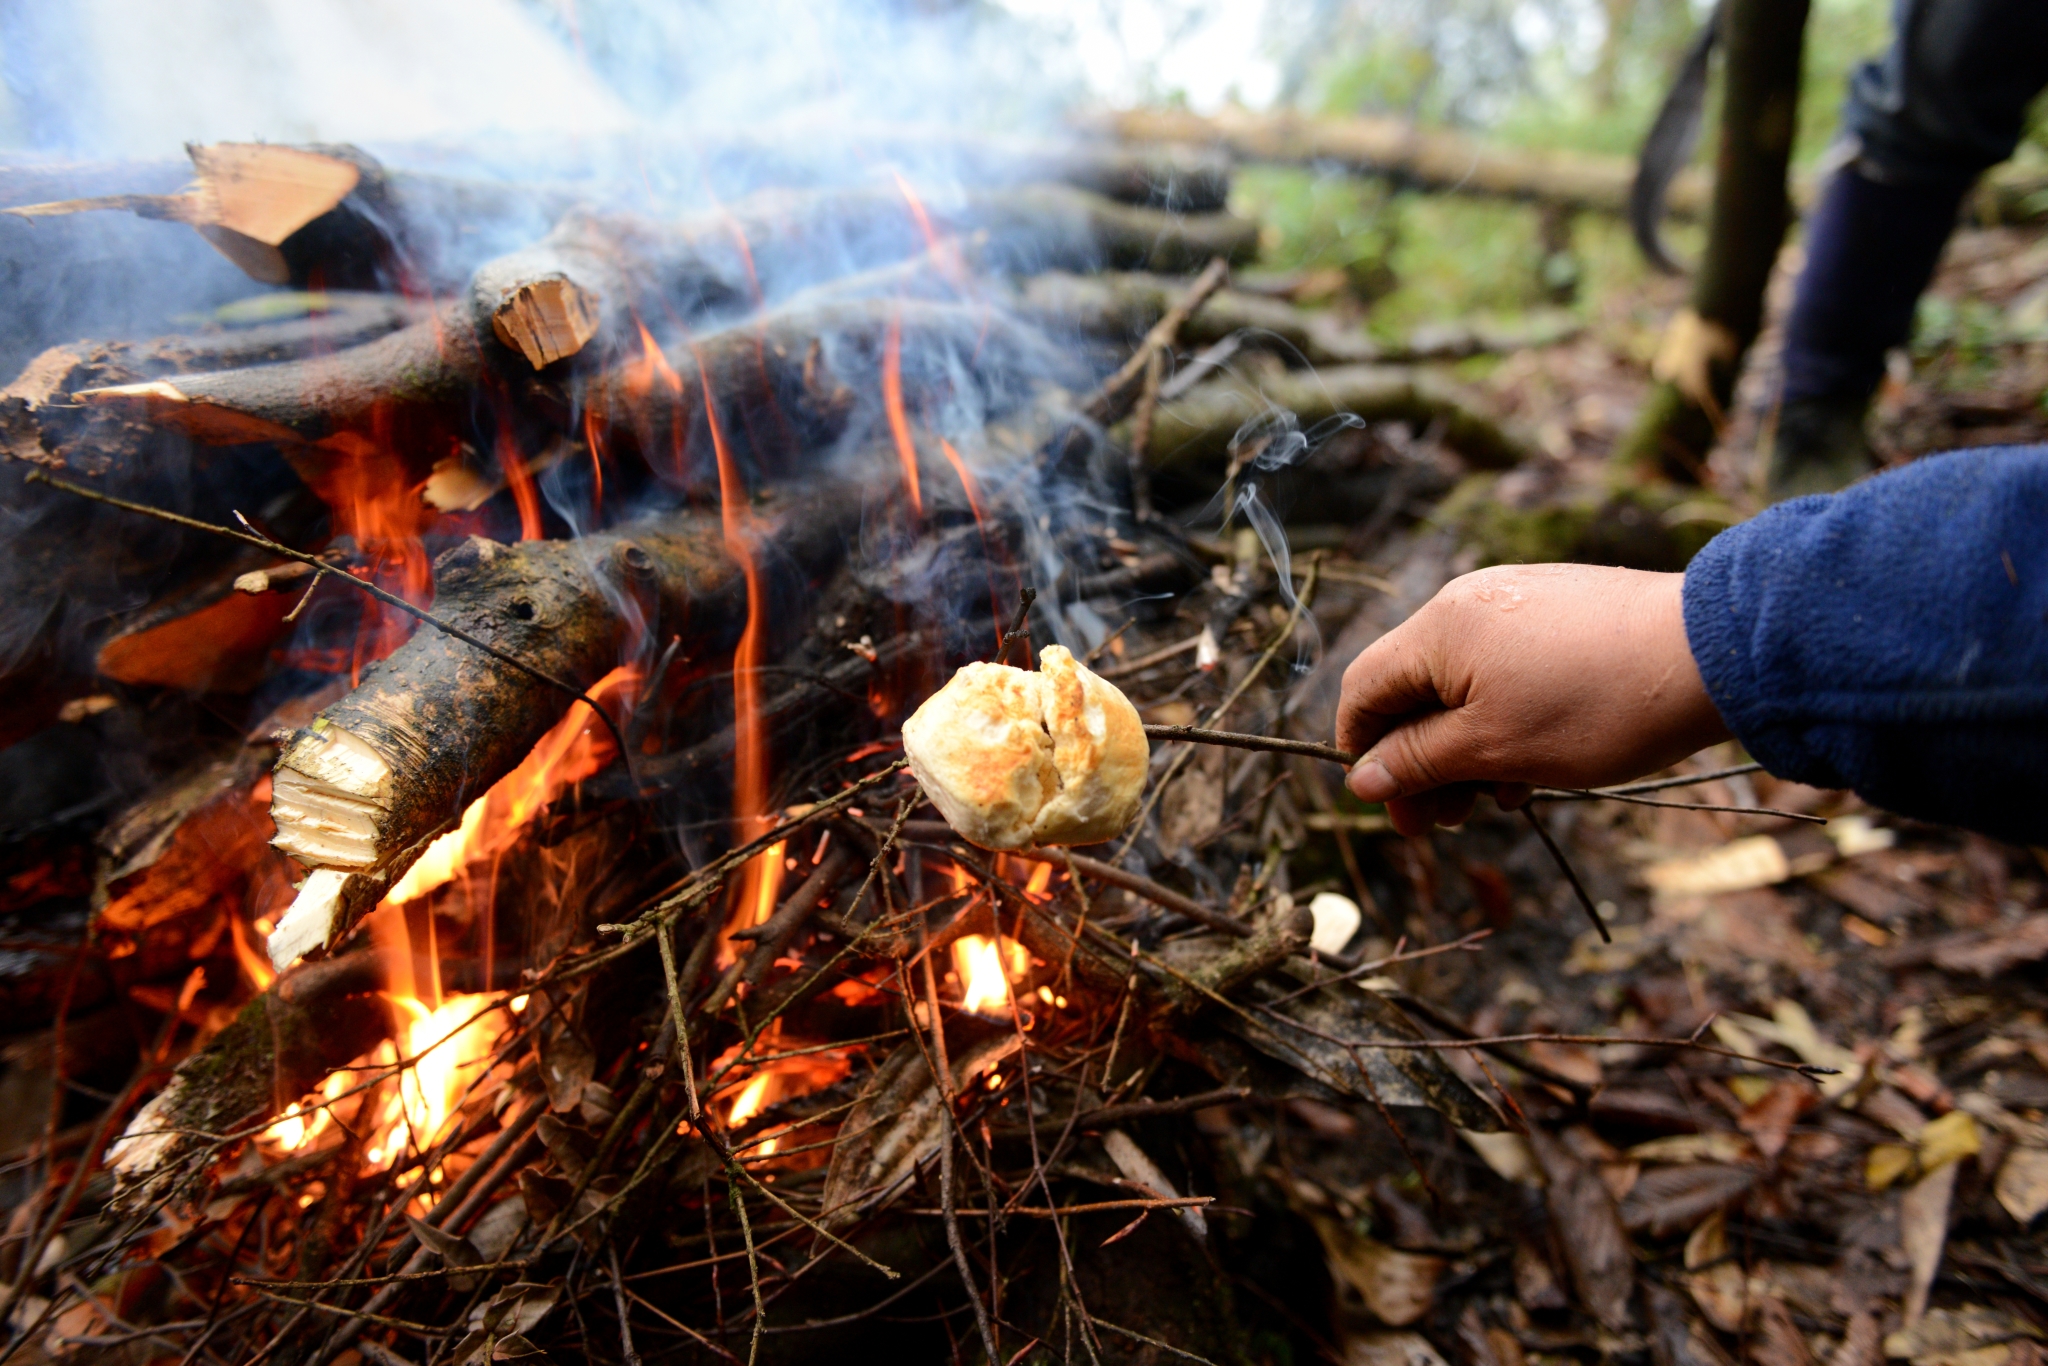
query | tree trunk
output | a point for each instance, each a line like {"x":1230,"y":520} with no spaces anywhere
{"x":1428,"y":158}
{"x":1702,"y":353}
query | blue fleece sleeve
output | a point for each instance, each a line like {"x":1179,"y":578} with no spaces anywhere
{"x":1893,"y":639}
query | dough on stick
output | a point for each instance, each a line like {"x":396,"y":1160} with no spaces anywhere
{"x":1015,"y":759}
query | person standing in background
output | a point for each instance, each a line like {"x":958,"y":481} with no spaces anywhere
{"x":1947,"y":102}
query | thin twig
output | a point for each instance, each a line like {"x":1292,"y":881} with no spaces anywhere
{"x":1582,"y":794}
{"x":1239,"y":740}
{"x":1564,"y":866}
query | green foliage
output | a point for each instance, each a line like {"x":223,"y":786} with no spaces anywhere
{"x":1657,"y":527}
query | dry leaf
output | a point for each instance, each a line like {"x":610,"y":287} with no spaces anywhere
{"x":1508,"y":1154}
{"x":1989,"y":953}
{"x":1737,"y":866}
{"x":1718,"y":1286}
{"x":1131,"y":1160}
{"x":1948,"y":1139}
{"x":1923,"y":1229}
{"x":1970,"y":1336}
{"x":1398,"y":1287}
{"x":1715,"y":1145}
{"x":1860,"y":1344}
{"x":1328,"y":1036}
{"x":1676,"y":1336}
{"x":1667,"y":1199}
{"x":1779,"y":1341}
{"x":1769,"y":1119}
{"x":896,"y":1123}
{"x":2023,"y":1183}
{"x":1588,"y":1232}
{"x":1390,"y":1349}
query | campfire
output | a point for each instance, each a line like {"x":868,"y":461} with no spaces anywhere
{"x":532,"y":938}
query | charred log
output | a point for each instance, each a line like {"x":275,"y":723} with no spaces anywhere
{"x":300,"y":401}
{"x":378,"y":775}
{"x":311,"y":1021}
{"x":594,"y":272}
{"x":324,"y":216}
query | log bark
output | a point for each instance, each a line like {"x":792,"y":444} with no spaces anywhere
{"x":1703,"y":348}
{"x":312,"y":1020}
{"x":324,"y":215}
{"x":359,"y":794}
{"x":790,"y":381}
{"x":1122,"y":304}
{"x":301,"y":401}
{"x":1428,"y":158}
{"x":1191,"y":435}
{"x":595,"y":273}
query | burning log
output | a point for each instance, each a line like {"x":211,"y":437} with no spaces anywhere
{"x":431,"y":362}
{"x":283,"y":1043}
{"x":594,"y":271}
{"x":326,"y":216}
{"x":381,"y":773}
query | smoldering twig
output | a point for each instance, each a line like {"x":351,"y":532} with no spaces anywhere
{"x":389,"y":599}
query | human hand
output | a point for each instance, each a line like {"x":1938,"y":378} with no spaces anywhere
{"x":1558,"y":675}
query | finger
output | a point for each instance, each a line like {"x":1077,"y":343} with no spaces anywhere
{"x":1440,"y":806}
{"x":1410,"y":815}
{"x":1417,"y":755}
{"x":1390,"y":679}
{"x":1511,"y":796}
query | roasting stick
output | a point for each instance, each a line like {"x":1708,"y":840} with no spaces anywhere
{"x":1313,"y":750}
{"x":1627,"y":793}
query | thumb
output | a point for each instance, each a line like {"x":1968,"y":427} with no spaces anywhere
{"x":1421,"y":753}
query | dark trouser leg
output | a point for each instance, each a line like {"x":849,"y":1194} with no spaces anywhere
{"x":1948,"y":100}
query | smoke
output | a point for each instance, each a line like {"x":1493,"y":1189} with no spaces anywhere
{"x":1263,"y":447}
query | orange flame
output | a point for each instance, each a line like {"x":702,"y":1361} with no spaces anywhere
{"x":450,"y":1046}
{"x":593,"y":437}
{"x":524,"y":495}
{"x":367,"y":487}
{"x":577,"y":747}
{"x":917,"y":211}
{"x":763,"y":874}
{"x":892,"y":402}
{"x":986,"y":966}
{"x":778,"y":1079}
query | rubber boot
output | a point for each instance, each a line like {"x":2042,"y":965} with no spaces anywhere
{"x":1819,"y":446}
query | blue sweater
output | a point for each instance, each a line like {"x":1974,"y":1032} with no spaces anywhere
{"x":1893,"y":639}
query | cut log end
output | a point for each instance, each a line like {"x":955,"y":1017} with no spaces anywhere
{"x":310,"y":920}
{"x":547,"y":320}
{"x":331,"y":791}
